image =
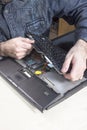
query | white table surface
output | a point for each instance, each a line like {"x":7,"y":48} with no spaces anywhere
{"x":17,"y":114}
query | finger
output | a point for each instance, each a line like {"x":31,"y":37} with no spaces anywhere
{"x":29,"y":51}
{"x":66,"y":64}
{"x":69,"y":77}
{"x":27,"y":40}
{"x":76,"y":73}
{"x":79,"y":66}
{"x":20,"y":55}
{"x":19,"y":50}
{"x":26,"y":46}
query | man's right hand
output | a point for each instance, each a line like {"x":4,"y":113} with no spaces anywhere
{"x":17,"y":48}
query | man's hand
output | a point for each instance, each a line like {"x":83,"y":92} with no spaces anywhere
{"x":16,"y":47}
{"x":76,"y":57}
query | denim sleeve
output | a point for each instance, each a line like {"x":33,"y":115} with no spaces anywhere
{"x":2,"y":37}
{"x":76,"y":12}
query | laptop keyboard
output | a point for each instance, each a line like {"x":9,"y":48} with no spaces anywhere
{"x":53,"y":53}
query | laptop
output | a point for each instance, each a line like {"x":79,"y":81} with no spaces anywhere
{"x":37,"y":76}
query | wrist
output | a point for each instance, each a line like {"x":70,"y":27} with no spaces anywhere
{"x":1,"y":49}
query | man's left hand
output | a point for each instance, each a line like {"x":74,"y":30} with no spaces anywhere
{"x":76,"y":57}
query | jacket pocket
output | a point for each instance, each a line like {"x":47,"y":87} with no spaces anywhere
{"x":37,"y":26}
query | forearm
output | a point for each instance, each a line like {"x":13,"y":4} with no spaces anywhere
{"x":81,"y":24}
{"x":76,"y":12}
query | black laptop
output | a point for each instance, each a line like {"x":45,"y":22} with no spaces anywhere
{"x":37,"y":76}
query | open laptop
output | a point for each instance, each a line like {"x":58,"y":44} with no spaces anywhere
{"x":37,"y":77}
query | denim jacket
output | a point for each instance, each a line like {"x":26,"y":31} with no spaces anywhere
{"x":21,"y":16}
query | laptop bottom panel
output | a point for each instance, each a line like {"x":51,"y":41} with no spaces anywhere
{"x":33,"y":88}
